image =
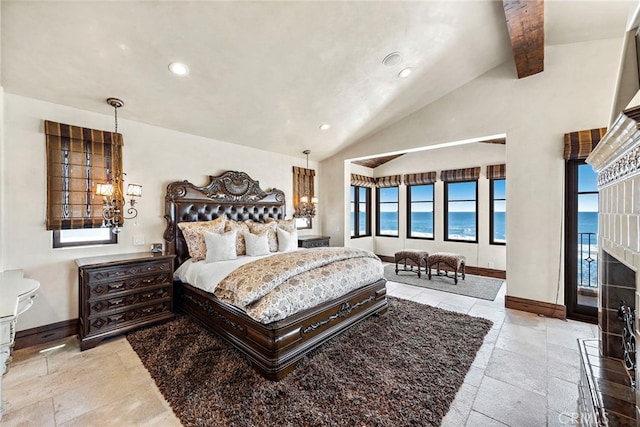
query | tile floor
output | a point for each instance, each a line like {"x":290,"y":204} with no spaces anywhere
{"x":525,"y":374}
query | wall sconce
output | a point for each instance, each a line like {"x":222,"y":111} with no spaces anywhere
{"x":113,"y":200}
{"x":307,"y":204}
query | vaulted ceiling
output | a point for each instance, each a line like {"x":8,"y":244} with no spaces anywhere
{"x":268,"y":74}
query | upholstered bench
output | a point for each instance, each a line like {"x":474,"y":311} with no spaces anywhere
{"x":454,"y":261}
{"x":418,"y":257}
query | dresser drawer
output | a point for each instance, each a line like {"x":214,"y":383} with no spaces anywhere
{"x":127,"y":270}
{"x":97,"y":290}
{"x":128,"y":317}
{"x":115,"y":303}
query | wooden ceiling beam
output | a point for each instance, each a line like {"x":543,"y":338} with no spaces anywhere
{"x":525,"y":21}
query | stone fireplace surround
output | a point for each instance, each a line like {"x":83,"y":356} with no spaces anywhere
{"x":616,"y":159}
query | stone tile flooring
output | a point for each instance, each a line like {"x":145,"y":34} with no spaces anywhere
{"x":525,"y":374}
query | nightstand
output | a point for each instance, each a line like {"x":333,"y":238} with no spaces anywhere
{"x":119,"y":293}
{"x":313,"y":241}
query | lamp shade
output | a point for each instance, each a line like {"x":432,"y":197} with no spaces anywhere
{"x":104,"y":189}
{"x":134,"y":190}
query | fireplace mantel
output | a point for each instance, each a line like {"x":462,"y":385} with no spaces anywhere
{"x":617,"y":155}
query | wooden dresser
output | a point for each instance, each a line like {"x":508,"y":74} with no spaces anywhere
{"x":119,"y":293}
{"x":313,"y":241}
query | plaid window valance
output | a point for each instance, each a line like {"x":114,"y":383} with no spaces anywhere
{"x":363,"y":181}
{"x":77,"y":159}
{"x":578,"y":145}
{"x":389,"y":181}
{"x":454,"y":175}
{"x":302,"y":184}
{"x":422,"y":178}
{"x":496,"y":171}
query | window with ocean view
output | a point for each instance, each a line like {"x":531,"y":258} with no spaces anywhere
{"x":420,"y":211}
{"x":360,"y":208}
{"x":498,"y":206}
{"x":461,"y":207}
{"x":387,"y":211}
{"x":587,"y":227}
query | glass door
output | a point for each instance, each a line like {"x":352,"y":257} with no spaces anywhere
{"x":581,"y":242}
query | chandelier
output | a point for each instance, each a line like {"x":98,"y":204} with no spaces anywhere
{"x":307,"y":205}
{"x":114,"y":202}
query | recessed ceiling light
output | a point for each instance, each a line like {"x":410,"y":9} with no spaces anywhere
{"x":325,"y":126}
{"x":392,"y":59}
{"x":179,"y":69}
{"x":405,"y":72}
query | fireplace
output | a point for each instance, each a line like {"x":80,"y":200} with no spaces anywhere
{"x":617,"y":160}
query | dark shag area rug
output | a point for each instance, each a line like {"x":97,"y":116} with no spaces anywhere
{"x":472,"y":286}
{"x":399,"y":369}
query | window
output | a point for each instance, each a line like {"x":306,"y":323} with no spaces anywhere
{"x":387,"y":224}
{"x":498,"y":214}
{"x":77,"y":159}
{"x":83,"y":237}
{"x":360,"y":208}
{"x":420,"y":211}
{"x":461,"y":207}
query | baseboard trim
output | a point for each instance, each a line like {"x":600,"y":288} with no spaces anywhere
{"x":46,"y":333}
{"x":537,"y":307}
{"x":469,"y":269}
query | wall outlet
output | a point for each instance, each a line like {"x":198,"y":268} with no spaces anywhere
{"x":138,"y":239}
{"x":491,"y":264}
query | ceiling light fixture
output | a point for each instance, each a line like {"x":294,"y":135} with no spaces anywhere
{"x":405,"y":72}
{"x":325,"y":126}
{"x":392,"y":59}
{"x":179,"y":69}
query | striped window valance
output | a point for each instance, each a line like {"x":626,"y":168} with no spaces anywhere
{"x":422,"y":178}
{"x":578,"y":145}
{"x":363,"y":181}
{"x":496,"y":171}
{"x":388,"y":181}
{"x":302,"y":184}
{"x":77,"y":159}
{"x":453,"y":175}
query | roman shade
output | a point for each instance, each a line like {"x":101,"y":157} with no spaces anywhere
{"x":496,"y":171}
{"x":77,"y":159}
{"x":389,"y":181}
{"x":363,"y":181}
{"x":422,"y":178}
{"x":578,"y":145}
{"x":454,"y":175}
{"x":302,"y":184}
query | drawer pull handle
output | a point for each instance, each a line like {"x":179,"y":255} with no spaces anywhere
{"x":147,"y":281}
{"x":113,"y":303}
{"x":116,"y":286}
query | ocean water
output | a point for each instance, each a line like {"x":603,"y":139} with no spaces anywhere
{"x":587,"y":247}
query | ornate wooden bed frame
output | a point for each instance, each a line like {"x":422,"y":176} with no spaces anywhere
{"x":275,"y":348}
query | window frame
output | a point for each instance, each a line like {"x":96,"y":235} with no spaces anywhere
{"x":378,"y":211}
{"x":492,"y":201}
{"x":409,"y":211}
{"x":356,"y":211}
{"x":446,"y":210}
{"x":57,"y":243}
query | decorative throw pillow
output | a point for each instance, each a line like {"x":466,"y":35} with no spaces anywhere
{"x":257,"y":244}
{"x":287,"y":241}
{"x":240,"y":228}
{"x":220,"y":247}
{"x":270,"y":229}
{"x":194,"y":235}
{"x":286,"y":224}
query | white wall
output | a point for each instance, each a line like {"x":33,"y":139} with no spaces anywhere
{"x":152,"y":157}
{"x":573,"y":92}
{"x":480,"y":254}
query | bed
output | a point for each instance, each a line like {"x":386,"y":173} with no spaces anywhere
{"x":273,"y":348}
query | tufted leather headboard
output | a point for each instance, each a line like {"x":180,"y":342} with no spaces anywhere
{"x":233,"y":194}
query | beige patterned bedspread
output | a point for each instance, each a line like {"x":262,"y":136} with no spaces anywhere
{"x":273,"y":288}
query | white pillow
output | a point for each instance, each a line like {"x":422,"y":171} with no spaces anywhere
{"x":220,"y":246}
{"x":287,"y":241}
{"x":257,"y":244}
